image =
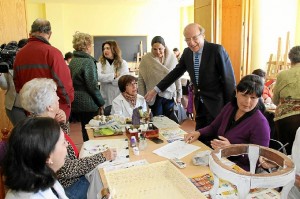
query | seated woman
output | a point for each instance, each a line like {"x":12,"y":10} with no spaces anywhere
{"x":39,"y":98}
{"x":267,"y":95}
{"x":241,"y":121}
{"x":36,"y":151}
{"x":128,"y":99}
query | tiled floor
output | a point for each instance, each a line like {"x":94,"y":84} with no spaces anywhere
{"x":76,"y":134}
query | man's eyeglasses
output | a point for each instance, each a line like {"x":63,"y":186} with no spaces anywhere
{"x":194,"y":38}
{"x":132,"y":84}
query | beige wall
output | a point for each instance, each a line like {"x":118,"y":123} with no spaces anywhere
{"x":272,"y":19}
{"x":133,"y":18}
{"x":186,"y":17}
{"x":297,"y":35}
{"x":11,"y":28}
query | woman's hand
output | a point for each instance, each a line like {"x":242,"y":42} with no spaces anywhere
{"x":150,"y":95}
{"x":221,"y":142}
{"x":60,"y":116}
{"x":178,"y":100}
{"x":191,"y":137}
{"x":101,"y":110}
{"x":110,"y":154}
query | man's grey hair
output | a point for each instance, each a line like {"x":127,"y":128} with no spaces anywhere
{"x":37,"y":94}
{"x":41,"y":26}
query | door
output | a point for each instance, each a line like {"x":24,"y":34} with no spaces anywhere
{"x":13,"y":27}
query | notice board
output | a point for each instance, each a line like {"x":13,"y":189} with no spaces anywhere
{"x":129,"y":45}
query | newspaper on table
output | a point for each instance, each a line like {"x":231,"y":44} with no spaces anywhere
{"x":163,"y":122}
{"x":172,"y":134}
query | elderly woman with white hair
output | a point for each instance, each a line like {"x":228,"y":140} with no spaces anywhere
{"x":39,"y":98}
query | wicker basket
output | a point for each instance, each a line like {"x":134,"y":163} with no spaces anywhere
{"x":157,"y":180}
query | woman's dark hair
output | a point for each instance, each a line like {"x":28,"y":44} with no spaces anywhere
{"x":29,"y":146}
{"x":158,"y":39}
{"x":250,"y":84}
{"x":116,"y":51}
{"x":68,"y":55}
{"x":260,"y":73}
{"x":124,"y":80}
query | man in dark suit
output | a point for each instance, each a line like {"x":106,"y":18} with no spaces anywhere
{"x":212,"y":77}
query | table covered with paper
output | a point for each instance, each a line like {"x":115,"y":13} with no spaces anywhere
{"x":151,"y":172}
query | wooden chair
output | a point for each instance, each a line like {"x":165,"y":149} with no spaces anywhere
{"x":2,"y":187}
{"x":3,"y":139}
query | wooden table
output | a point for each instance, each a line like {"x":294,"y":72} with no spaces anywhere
{"x":189,"y":171}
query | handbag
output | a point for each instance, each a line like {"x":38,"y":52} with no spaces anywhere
{"x":180,"y":112}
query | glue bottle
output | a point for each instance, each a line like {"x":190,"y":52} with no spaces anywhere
{"x":133,"y":141}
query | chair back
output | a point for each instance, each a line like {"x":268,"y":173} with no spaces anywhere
{"x":107,"y":110}
{"x":277,"y":145}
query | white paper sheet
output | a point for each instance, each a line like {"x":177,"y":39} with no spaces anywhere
{"x":177,"y":149}
{"x":92,"y":147}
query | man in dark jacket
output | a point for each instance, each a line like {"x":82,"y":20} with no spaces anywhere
{"x":211,"y":73}
{"x":38,"y":59}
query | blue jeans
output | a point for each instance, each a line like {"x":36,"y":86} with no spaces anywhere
{"x":79,"y":189}
{"x":163,"y":106}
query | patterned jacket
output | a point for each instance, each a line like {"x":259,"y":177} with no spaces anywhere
{"x":74,"y":168}
{"x":85,"y":81}
{"x":287,"y":93}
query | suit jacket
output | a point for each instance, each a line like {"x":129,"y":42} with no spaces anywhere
{"x":216,"y":82}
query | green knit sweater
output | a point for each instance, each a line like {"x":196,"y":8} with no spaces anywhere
{"x":87,"y":97}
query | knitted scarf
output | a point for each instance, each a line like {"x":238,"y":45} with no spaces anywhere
{"x":130,"y":98}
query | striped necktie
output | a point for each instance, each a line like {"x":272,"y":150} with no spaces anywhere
{"x":196,"y":67}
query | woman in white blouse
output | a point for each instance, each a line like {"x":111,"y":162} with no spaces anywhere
{"x":111,"y":67}
{"x":128,"y":99}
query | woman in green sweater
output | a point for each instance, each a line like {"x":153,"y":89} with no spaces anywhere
{"x":87,"y":97}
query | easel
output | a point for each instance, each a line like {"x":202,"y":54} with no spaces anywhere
{"x":274,"y":67}
{"x":139,"y":56}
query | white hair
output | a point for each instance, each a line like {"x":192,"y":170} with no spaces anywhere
{"x":37,"y":94}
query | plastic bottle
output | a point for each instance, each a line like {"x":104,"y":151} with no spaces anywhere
{"x":133,"y":141}
{"x":143,"y":143}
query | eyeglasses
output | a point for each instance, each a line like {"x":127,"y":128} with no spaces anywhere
{"x":194,"y":38}
{"x":132,"y":84}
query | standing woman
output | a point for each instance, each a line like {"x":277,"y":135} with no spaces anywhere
{"x":111,"y":67}
{"x":153,"y":68}
{"x":36,"y":151}
{"x":87,"y":100}
{"x":287,"y":98}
